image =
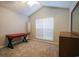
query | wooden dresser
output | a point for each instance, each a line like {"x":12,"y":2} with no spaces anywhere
{"x":68,"y":45}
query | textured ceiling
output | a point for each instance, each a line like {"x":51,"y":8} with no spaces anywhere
{"x":24,"y":9}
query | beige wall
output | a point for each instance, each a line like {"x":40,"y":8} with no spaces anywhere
{"x":60,"y":16}
{"x":11,"y":22}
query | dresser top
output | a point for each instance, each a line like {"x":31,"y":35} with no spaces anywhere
{"x":69,"y":35}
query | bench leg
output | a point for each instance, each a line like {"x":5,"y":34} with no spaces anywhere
{"x":10,"y":44}
{"x":24,"y":39}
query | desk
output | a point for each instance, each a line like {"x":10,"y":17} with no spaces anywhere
{"x":12,"y":37}
{"x":68,"y":45}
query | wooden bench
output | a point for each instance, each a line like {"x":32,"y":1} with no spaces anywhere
{"x":11,"y":37}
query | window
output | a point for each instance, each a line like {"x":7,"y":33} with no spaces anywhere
{"x":45,"y":28}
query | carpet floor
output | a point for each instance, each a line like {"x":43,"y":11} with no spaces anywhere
{"x":32,"y":48}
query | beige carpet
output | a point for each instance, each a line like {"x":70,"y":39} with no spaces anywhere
{"x":32,"y":48}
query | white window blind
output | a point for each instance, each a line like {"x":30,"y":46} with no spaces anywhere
{"x":45,"y":28}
